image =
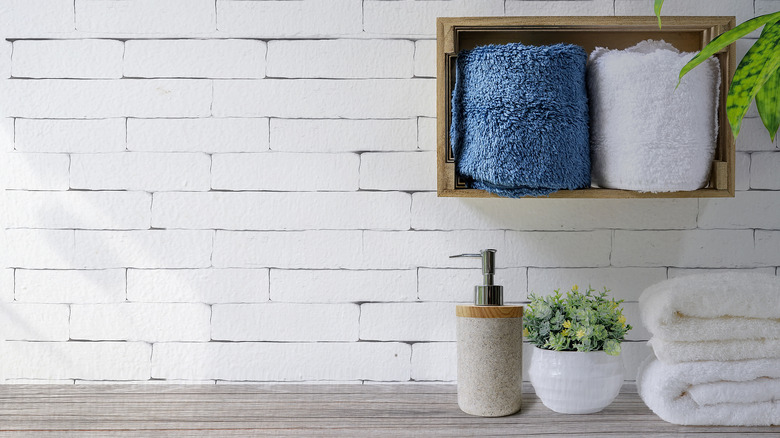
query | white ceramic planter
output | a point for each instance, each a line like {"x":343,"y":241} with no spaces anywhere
{"x":574,"y":382}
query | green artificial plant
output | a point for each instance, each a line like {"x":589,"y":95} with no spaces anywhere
{"x":577,"y":322}
{"x":757,"y":76}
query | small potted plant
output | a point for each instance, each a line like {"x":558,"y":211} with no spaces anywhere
{"x":576,"y":366}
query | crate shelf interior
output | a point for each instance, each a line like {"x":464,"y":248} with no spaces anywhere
{"x":687,"y":34}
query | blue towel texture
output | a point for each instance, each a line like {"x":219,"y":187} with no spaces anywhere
{"x":520,"y":119}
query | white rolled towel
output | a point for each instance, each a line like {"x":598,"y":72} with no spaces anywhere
{"x":645,"y":134}
{"x":713,"y":307}
{"x":732,"y":393}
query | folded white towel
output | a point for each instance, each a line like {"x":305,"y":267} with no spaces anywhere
{"x":709,"y":307}
{"x":737,"y":393}
{"x":645,"y":134}
{"x":738,"y":349}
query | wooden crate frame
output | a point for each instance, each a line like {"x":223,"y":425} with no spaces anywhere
{"x":686,"y":33}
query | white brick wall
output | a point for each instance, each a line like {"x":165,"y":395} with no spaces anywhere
{"x":342,"y":135}
{"x":77,"y":99}
{"x":285,"y":172}
{"x":67,"y":59}
{"x":70,"y":135}
{"x":140,"y":171}
{"x":197,"y":285}
{"x":158,"y":322}
{"x":285,"y":322}
{"x":340,"y":59}
{"x":70,"y":286}
{"x":206,"y":191}
{"x":197,"y":135}
{"x":194,"y":59}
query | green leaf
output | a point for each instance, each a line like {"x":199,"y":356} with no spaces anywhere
{"x":658,"y":4}
{"x":768,"y":103}
{"x":727,"y":38}
{"x":759,"y":63}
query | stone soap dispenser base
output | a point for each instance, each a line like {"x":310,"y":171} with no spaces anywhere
{"x":490,"y":349}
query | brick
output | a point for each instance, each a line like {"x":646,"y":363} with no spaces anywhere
{"x":101,"y":210}
{"x":342,"y":286}
{"x":742,"y":171}
{"x":340,"y":59}
{"x":34,"y":322}
{"x":36,"y":17}
{"x":36,"y":171}
{"x":285,"y":322}
{"x":70,"y":286}
{"x":273,"y":171}
{"x":410,"y":250}
{"x":282,"y":211}
{"x":143,"y":249}
{"x":753,"y":136}
{"x":763,"y":170}
{"x":197,"y":285}
{"x":679,"y":272}
{"x":398,"y":171}
{"x":30,"y":248}
{"x":140,"y":171}
{"x":331,"y":361}
{"x":741,"y":9}
{"x":746,"y":210}
{"x":307,"y":18}
{"x":426,"y":134}
{"x":767,"y":248}
{"x":767,"y":7}
{"x":67,"y":59}
{"x":457,"y":285}
{"x":425,"y":58}
{"x":70,"y":135}
{"x":623,"y":283}
{"x":684,"y":249}
{"x":7,"y":134}
{"x":325,"y":98}
{"x":287,"y":249}
{"x":103,"y":98}
{"x":638,"y":331}
{"x":571,"y":7}
{"x":146,"y":17}
{"x":634,"y":354}
{"x":434,"y":361}
{"x":341,"y":135}
{"x":432,"y":212}
{"x":5,"y":58}
{"x":195,"y":58}
{"x":419,"y":18}
{"x":158,"y":322}
{"x":555,"y":249}
{"x":6,"y":285}
{"x":210,"y":135}
{"x":76,"y":360}
{"x":407,"y":321}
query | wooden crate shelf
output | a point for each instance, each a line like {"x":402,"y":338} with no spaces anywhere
{"x":685,"y":33}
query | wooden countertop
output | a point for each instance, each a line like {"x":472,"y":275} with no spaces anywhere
{"x":327,"y":410}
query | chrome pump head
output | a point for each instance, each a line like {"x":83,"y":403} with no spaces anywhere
{"x":488,"y":294}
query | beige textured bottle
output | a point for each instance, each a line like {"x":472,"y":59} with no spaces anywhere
{"x":490,"y":348}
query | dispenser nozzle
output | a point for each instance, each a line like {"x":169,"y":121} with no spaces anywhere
{"x":488,"y":294}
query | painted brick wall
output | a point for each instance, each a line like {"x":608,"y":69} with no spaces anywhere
{"x":223,"y":190}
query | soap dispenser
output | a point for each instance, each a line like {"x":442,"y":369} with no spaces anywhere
{"x":490,"y":348}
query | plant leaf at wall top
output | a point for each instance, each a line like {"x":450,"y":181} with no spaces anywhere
{"x":752,"y":74}
{"x":658,"y":4}
{"x":768,"y":103}
{"x":760,"y":62}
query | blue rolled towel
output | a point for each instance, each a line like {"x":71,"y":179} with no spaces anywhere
{"x":520,"y":119}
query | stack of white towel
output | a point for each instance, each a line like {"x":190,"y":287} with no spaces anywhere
{"x":716,"y":339}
